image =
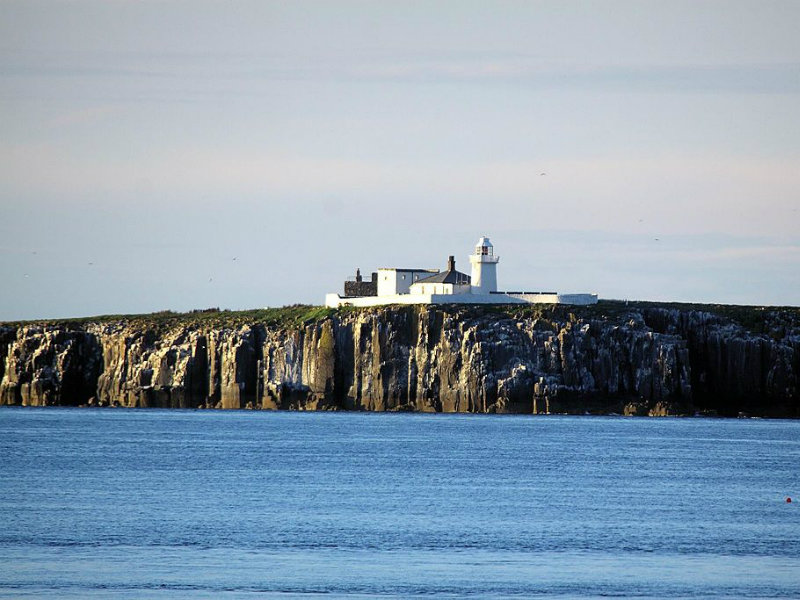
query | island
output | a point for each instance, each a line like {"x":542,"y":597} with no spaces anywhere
{"x":613,"y":357}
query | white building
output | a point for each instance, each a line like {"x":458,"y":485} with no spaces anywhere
{"x":430,"y":286}
{"x":399,"y":281}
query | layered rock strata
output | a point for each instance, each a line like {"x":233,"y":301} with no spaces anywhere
{"x":611,"y":358}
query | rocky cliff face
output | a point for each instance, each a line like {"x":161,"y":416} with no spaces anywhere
{"x":638,"y":359}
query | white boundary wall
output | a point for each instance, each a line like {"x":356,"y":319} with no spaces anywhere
{"x":335,"y":300}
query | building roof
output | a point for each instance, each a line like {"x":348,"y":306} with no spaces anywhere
{"x":456,"y":277}
{"x":448,"y":276}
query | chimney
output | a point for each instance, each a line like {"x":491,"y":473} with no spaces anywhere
{"x":451,"y":263}
{"x":358,"y":275}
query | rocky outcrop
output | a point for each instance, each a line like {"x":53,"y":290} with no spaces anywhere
{"x":609,"y":358}
{"x":47,"y":365}
{"x":734,"y":370}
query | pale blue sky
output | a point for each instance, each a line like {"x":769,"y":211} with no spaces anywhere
{"x":144,"y":145}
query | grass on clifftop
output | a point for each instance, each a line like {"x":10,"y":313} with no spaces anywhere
{"x":752,"y":318}
{"x":286,"y":316}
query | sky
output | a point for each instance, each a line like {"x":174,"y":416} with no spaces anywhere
{"x":174,"y":155}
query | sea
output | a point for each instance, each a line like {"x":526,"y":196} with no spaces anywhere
{"x":167,"y":504}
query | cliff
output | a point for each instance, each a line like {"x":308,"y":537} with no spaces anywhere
{"x":614,"y":357}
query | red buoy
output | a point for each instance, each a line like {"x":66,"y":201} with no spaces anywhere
{"x":788,"y":499}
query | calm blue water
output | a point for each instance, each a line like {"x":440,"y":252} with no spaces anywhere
{"x":211,"y":504}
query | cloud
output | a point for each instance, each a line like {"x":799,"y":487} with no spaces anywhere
{"x":260,"y":68}
{"x":537,"y":73}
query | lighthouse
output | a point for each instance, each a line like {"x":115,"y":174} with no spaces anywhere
{"x":484,"y":267}
{"x":432,"y":286}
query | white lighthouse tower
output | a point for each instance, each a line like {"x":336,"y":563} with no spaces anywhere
{"x":484,"y":267}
